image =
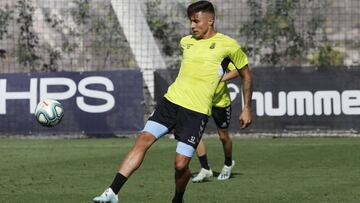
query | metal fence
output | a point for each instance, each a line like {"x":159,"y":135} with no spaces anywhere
{"x":86,"y":35}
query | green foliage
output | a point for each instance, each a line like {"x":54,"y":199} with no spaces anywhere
{"x":327,"y":56}
{"x":52,"y":65}
{"x":108,"y":32}
{"x":5,"y":16}
{"x":81,"y":13}
{"x":164,"y":29}
{"x":108,"y":36}
{"x":68,"y":34}
{"x":273,"y":36}
{"x":28,"y":39}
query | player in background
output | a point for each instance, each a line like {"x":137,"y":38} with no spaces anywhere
{"x":186,"y":106}
{"x":221,"y":113}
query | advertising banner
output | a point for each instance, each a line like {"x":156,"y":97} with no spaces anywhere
{"x":293,"y":98}
{"x":95,"y":103}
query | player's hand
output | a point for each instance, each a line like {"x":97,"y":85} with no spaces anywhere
{"x":245,"y":117}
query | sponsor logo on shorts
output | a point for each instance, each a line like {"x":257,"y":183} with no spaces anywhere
{"x":192,"y":139}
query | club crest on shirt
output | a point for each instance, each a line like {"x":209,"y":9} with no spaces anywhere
{"x":212,"y":46}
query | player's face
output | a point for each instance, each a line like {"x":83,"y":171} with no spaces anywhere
{"x":201,"y":23}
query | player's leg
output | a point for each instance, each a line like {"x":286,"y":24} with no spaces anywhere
{"x":227,"y":145}
{"x":205,"y":171}
{"x":154,"y":128}
{"x":182,"y":176}
{"x":190,"y":126}
{"x":131,"y":162}
{"x":136,"y":155}
{"x":201,"y":150}
{"x":222,"y":119}
{"x":201,"y":154}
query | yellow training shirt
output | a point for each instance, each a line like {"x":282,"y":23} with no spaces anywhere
{"x":201,"y":71}
{"x":222,"y":96}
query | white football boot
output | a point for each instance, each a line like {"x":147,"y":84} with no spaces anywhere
{"x":202,"y":175}
{"x":108,"y":196}
{"x":226,"y":171}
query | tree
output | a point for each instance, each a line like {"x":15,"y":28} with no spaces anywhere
{"x":108,"y":41}
{"x":69,"y":42}
{"x":28,"y":39}
{"x":108,"y":33}
{"x":54,"y":57}
{"x":5,"y":17}
{"x":272,"y":35}
{"x":165,"y":30}
{"x":326,"y":56}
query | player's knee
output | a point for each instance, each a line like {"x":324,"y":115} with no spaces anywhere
{"x":181,"y":165}
{"x":144,"y":140}
{"x":181,"y":162}
{"x":224,"y":135}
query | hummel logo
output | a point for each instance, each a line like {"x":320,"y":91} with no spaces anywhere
{"x":212,"y":45}
{"x":188,"y":46}
{"x":192,"y":140}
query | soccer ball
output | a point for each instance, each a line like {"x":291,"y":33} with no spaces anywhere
{"x":49,"y":112}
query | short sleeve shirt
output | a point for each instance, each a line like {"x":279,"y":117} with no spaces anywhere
{"x":201,"y":71}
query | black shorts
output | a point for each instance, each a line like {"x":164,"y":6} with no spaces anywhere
{"x":221,"y":116}
{"x":188,"y":125}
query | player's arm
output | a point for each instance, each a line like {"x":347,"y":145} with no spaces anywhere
{"x":230,"y":75}
{"x":231,"y":71}
{"x":247,"y":87}
{"x":239,"y":58}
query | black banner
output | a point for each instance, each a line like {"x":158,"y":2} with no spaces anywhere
{"x":95,"y":103}
{"x":293,"y":98}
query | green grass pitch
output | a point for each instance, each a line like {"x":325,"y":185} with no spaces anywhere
{"x":267,"y":170}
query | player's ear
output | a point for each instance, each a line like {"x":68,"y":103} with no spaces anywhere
{"x":211,"y":20}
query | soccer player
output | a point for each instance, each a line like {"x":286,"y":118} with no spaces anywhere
{"x":221,"y":113}
{"x":187,"y":104}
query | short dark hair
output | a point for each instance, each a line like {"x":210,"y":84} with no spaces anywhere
{"x":203,"y":6}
